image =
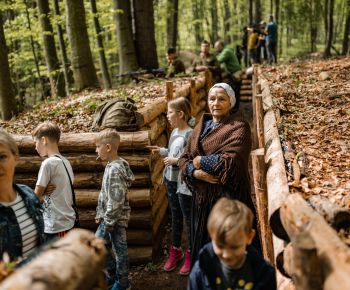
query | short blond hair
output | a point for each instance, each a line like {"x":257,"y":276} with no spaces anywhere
{"x":49,"y":130}
{"x":227,"y":217}
{"x":109,"y":136}
{"x":7,"y":140}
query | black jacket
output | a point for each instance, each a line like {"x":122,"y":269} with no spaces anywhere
{"x":203,"y":274}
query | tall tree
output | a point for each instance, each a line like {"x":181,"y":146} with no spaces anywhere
{"x":55,"y":75}
{"x":126,"y":48}
{"x":81,"y":58}
{"x":7,"y":97}
{"x":214,"y":21}
{"x":172,"y":22}
{"x":329,"y":32}
{"x":197,"y":22}
{"x":257,"y":11}
{"x":250,"y":11}
{"x":227,"y":22}
{"x":146,"y":48}
{"x":101,"y":51}
{"x":345,"y":44}
{"x":66,"y":71}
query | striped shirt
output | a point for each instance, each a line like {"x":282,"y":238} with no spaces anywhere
{"x":26,"y":224}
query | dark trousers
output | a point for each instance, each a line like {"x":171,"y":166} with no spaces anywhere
{"x":271,"y":49}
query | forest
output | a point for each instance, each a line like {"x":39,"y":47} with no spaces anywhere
{"x":52,"y":48}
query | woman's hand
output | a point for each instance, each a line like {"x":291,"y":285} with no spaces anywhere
{"x":202,"y":175}
{"x":197,"y":162}
{"x":154,"y":149}
{"x":170,"y":160}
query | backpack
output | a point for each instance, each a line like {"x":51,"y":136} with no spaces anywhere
{"x":119,"y":113}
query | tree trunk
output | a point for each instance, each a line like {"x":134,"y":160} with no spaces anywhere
{"x":7,"y":97}
{"x":197,"y":23}
{"x":345,"y":46}
{"x":326,"y":5}
{"x":101,"y":51}
{"x":271,"y":7}
{"x":227,"y":22}
{"x":329,"y":36}
{"x":313,"y":38}
{"x":126,"y":48}
{"x":258,"y":11}
{"x":279,"y":29}
{"x":145,"y":41}
{"x":66,"y":71}
{"x":214,"y":21}
{"x":55,"y":75}
{"x":81,"y":58}
{"x":250,"y":10}
{"x":172,"y":22}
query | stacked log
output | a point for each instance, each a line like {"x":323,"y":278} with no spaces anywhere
{"x":246,"y":89}
{"x":147,"y":194}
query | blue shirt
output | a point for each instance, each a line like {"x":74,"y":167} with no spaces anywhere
{"x":271,"y":32}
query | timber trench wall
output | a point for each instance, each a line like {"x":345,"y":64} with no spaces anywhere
{"x":147,"y":195}
{"x":297,"y":239}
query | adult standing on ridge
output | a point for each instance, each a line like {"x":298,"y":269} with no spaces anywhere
{"x":271,"y":40}
{"x":215,"y":162}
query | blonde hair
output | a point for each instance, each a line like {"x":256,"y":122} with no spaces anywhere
{"x":7,"y":140}
{"x":181,"y":105}
{"x":109,"y":136}
{"x":49,"y":130}
{"x":227,"y":217}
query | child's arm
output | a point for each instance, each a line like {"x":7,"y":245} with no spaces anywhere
{"x":39,"y":191}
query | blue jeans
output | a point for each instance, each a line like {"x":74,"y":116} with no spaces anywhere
{"x":180,"y":207}
{"x":117,"y":257}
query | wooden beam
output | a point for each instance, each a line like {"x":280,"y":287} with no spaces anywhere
{"x":169,"y":90}
{"x":259,"y":120}
{"x":153,"y":110}
{"x":193,"y":95}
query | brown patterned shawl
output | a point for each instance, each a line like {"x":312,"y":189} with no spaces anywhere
{"x":232,"y":140}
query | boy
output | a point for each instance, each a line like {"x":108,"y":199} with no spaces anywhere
{"x":228,"y":262}
{"x":59,"y":215}
{"x":113,"y":210}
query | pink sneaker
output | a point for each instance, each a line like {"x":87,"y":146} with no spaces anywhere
{"x":175,"y":256}
{"x":185,"y":269}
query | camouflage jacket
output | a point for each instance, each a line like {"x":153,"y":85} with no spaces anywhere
{"x":113,"y":203}
{"x":176,"y":67}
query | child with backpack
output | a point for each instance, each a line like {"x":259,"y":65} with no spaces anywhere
{"x":179,"y":196}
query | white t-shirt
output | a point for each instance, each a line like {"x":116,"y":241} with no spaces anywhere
{"x":59,"y":214}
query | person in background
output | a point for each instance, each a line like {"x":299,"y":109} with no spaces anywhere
{"x":253,"y":44}
{"x":59,"y":215}
{"x":21,"y":218}
{"x":261,"y":50}
{"x":229,"y":261}
{"x":245,"y":45}
{"x":113,"y":209}
{"x":207,"y":61}
{"x":271,"y":40}
{"x":179,"y":196}
{"x":175,"y":65}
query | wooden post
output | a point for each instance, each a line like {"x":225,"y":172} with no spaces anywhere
{"x":259,"y":173}
{"x":193,"y":96}
{"x":169,"y":90}
{"x":259,"y":120}
{"x":302,"y":263}
{"x":208,"y":80}
{"x":254,"y":129}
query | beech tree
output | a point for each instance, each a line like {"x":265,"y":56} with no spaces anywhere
{"x":172,"y":18}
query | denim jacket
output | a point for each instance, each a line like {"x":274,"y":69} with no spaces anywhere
{"x":10,"y":233}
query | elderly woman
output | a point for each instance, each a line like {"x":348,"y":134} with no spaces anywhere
{"x":21,"y":221}
{"x":215,"y":162}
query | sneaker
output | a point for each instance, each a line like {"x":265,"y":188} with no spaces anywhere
{"x":186,"y":267}
{"x":175,"y":256}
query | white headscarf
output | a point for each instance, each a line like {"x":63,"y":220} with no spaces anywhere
{"x":229,"y":91}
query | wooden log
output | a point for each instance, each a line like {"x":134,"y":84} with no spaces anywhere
{"x":200,"y":106}
{"x":84,"y":162}
{"x":259,"y":120}
{"x":193,"y":95}
{"x":200,"y":82}
{"x":152,"y":111}
{"x":201,"y":94}
{"x":338,"y":217}
{"x":140,"y":255}
{"x":209,"y":80}
{"x":159,"y":217}
{"x":157,"y":127}
{"x":246,"y":92}
{"x":246,"y":82}
{"x":136,"y":237}
{"x":169,"y":90}
{"x":246,"y":87}
{"x":162,"y":141}
{"x":183,"y":91}
{"x":245,"y":98}
{"x":302,"y":263}
{"x":88,"y":198}
{"x":85,"y":142}
{"x":276,"y":176}
{"x":259,"y":173}
{"x":157,"y":171}
{"x":83,"y":180}
{"x":334,"y":256}
{"x":73,"y":262}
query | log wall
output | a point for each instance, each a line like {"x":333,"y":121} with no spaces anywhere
{"x":147,"y":195}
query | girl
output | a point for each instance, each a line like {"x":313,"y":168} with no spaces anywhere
{"x":180,"y":199}
{"x":21,"y":220}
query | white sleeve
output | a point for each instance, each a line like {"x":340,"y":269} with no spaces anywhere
{"x":43,"y":175}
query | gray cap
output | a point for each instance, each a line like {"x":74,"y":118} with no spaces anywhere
{"x":229,"y":91}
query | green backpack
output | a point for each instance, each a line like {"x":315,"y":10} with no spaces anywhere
{"x":119,"y":113}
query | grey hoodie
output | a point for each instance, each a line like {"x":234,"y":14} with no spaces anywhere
{"x":113,"y":203}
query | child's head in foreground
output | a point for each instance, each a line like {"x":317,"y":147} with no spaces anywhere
{"x":107,"y":143}
{"x":179,"y":110}
{"x":45,"y":135}
{"x":230,"y":226}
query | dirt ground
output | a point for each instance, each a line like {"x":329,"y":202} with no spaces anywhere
{"x":152,"y":276}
